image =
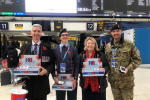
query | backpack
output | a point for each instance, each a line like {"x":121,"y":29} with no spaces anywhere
{"x":12,"y":56}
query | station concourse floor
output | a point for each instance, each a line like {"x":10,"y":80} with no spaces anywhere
{"x":141,"y":89}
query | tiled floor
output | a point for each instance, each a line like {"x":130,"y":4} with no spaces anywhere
{"x":141,"y":90}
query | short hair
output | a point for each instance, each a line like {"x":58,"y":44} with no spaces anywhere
{"x":13,"y":42}
{"x":91,"y":38}
{"x":36,"y":25}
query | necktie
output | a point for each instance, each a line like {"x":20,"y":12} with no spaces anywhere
{"x":35,"y":49}
{"x":64,"y":46}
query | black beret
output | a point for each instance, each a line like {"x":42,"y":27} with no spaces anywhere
{"x":62,"y":31}
{"x":116,"y":26}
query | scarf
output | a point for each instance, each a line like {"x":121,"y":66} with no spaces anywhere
{"x":93,"y":80}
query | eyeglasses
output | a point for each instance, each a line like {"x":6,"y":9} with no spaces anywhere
{"x":65,"y":35}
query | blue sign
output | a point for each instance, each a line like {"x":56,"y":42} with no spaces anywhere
{"x":3,"y":25}
{"x":19,"y":13}
{"x":90,"y":26}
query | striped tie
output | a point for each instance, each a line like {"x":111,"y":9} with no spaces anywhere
{"x":35,"y":49}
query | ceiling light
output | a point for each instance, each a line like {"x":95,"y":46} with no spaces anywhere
{"x":139,"y":15}
{"x":105,"y":33}
{"x":128,"y":15}
{"x":24,"y":33}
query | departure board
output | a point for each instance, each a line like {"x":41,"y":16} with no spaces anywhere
{"x":98,"y":8}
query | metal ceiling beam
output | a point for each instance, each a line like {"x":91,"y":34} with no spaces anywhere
{"x":67,"y":19}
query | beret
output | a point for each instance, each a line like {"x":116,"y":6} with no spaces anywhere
{"x":62,"y":31}
{"x":116,"y":26}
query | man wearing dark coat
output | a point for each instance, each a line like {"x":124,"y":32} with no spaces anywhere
{"x":38,"y":86}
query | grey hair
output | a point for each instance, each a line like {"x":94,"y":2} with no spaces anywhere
{"x":36,"y":25}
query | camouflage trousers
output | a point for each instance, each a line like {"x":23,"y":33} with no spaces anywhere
{"x":122,"y":93}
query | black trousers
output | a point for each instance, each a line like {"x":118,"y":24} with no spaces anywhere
{"x":87,"y":94}
{"x":40,"y":98}
{"x":71,"y":95}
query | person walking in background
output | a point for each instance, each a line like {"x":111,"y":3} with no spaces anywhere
{"x":103,"y":48}
{"x":18,"y":44}
{"x":12,"y":55}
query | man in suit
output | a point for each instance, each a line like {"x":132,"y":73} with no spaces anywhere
{"x":38,"y":86}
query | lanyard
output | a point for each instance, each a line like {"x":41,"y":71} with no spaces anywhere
{"x":70,"y":58}
{"x":37,"y":48}
{"x":65,"y":53}
{"x":114,"y":51}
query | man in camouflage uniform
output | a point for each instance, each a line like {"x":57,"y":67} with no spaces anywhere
{"x":126,"y":55}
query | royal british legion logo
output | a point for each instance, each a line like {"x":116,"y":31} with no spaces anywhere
{"x":29,"y":60}
{"x":92,"y":63}
{"x":63,"y":77}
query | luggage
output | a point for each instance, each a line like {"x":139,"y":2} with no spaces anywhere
{"x":12,"y":56}
{"x":5,"y":77}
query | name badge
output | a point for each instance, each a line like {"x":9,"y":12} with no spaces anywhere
{"x":113,"y":62}
{"x":45,"y":59}
{"x":62,"y":67}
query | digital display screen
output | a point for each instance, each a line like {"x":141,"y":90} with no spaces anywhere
{"x":46,"y":26}
{"x":100,"y":8}
{"x":51,"y":6}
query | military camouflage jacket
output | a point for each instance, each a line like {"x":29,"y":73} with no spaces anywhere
{"x":126,"y":55}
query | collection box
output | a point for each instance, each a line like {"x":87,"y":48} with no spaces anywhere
{"x":66,"y":81}
{"x":28,"y":65}
{"x":92,"y":67}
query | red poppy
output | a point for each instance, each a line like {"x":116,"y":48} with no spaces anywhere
{"x":57,"y":75}
{"x":93,"y":73}
{"x":20,"y":63}
{"x":38,"y":64}
{"x":37,"y":57}
{"x":99,"y":60}
{"x":44,"y":48}
{"x":61,"y":87}
{"x":84,"y":65}
{"x":22,"y":56}
{"x":100,"y":66}
{"x":68,"y":52}
{"x":85,"y":60}
{"x":71,"y":76}
{"x":25,"y":72}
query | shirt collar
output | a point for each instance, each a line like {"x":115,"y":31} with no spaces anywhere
{"x":120,"y":42}
{"x":61,"y":45}
{"x":36,"y":43}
